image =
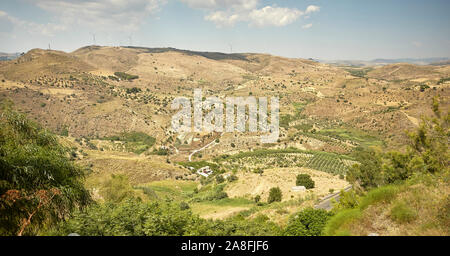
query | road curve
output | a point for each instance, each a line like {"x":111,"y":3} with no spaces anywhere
{"x":204,"y":147}
{"x":326,"y":204}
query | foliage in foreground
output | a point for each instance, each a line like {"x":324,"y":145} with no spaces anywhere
{"x":309,"y":222}
{"x":134,"y":217}
{"x":39,"y":185}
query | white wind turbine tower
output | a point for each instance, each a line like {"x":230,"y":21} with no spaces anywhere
{"x":93,"y":38}
{"x":130,"y":38}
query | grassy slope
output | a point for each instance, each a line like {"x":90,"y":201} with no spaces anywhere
{"x":419,"y":207}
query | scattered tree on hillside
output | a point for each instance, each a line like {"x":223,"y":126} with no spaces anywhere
{"x":275,"y":195}
{"x":305,"y":180}
{"x":427,"y":152}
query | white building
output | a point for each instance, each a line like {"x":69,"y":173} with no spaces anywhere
{"x":205,"y":171}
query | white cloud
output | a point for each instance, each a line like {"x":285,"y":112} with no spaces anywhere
{"x":237,"y":5}
{"x":312,"y":8}
{"x":103,"y":15}
{"x":306,"y":26}
{"x":222,"y":19}
{"x":226,"y":13}
{"x":273,"y":16}
{"x":48,"y":29}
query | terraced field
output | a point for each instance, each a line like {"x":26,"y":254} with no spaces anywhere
{"x":259,"y":160}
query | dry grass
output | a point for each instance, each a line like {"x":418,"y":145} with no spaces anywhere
{"x":251,"y":184}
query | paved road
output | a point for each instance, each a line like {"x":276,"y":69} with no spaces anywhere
{"x":326,"y":204}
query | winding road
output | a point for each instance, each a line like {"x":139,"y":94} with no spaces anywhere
{"x":204,"y":147}
{"x":326,"y":204}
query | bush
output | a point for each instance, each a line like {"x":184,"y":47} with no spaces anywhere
{"x":305,"y":180}
{"x":337,"y":224}
{"x":36,"y":175}
{"x":401,"y":213}
{"x":219,"y":179}
{"x":257,"y":198}
{"x":382,"y":194}
{"x":133,"y":90}
{"x":184,"y":206}
{"x":309,"y":222}
{"x":116,"y":189}
{"x":347,"y":200}
{"x":367,"y":173}
{"x":275,"y":195}
{"x":161,"y":151}
{"x":232,"y":178}
{"x":125,"y":76}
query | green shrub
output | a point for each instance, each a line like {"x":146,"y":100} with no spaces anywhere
{"x":232,"y":178}
{"x":219,"y":179}
{"x":347,"y":200}
{"x":161,"y":152}
{"x":35,"y":170}
{"x":382,"y":194}
{"x":337,"y":224}
{"x":275,"y":195}
{"x":402,"y":213}
{"x":305,"y":180}
{"x":116,"y":189}
{"x":309,"y":222}
{"x":184,"y":206}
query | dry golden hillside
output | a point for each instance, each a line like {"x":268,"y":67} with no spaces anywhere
{"x":119,"y":123}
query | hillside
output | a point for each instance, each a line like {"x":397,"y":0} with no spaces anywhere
{"x":407,"y":210}
{"x":111,"y":107}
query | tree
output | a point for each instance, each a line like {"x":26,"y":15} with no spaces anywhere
{"x":275,"y":195}
{"x":232,"y":178}
{"x":305,"y":180}
{"x":309,"y":222}
{"x":367,"y":173}
{"x":219,"y":179}
{"x":116,"y":189}
{"x":39,"y":185}
{"x":427,"y":153}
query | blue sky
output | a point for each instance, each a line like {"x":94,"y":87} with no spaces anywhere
{"x":324,"y":29}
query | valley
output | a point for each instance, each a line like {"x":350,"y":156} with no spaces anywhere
{"x":111,"y":106}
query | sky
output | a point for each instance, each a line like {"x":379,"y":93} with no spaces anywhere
{"x":319,"y":29}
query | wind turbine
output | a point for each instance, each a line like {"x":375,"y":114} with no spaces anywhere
{"x":130,"y":40}
{"x":93,"y":38}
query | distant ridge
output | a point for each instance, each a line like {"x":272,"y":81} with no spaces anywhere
{"x":380,"y":62}
{"x":209,"y":55}
{"x":9,"y":56}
